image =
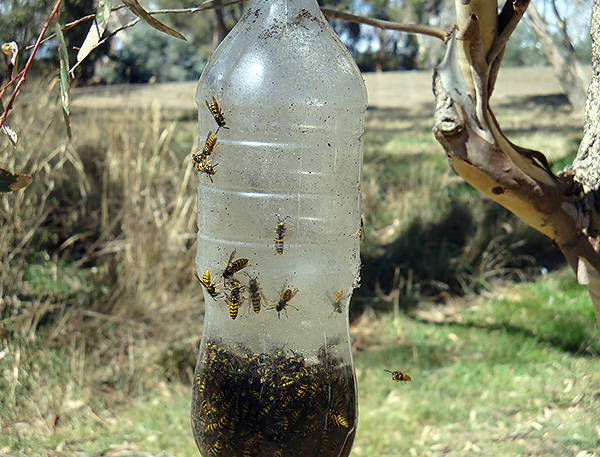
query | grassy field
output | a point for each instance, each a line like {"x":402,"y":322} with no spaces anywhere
{"x":101,"y":316}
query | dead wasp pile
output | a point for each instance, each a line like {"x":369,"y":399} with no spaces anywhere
{"x":272,"y":404}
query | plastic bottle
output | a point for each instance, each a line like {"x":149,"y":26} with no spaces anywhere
{"x":281,"y":108}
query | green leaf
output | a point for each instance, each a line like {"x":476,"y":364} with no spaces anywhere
{"x":10,"y":182}
{"x":96,"y":30}
{"x":64,"y":77}
{"x":140,"y":12}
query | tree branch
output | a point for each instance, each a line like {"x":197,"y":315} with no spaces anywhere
{"x":23,"y":72}
{"x":517,"y":178}
{"x":388,"y":25}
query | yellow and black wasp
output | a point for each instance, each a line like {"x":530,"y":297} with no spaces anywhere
{"x":233,"y":266}
{"x":399,"y":376}
{"x":361,"y":231}
{"x":206,"y":167}
{"x":284,"y":298}
{"x":215,"y":109}
{"x":235,"y":298}
{"x":256,"y":294}
{"x":338,"y":419}
{"x":210,"y":286}
{"x":279,"y":231}
{"x":336,"y":302}
{"x":215,"y":449}
{"x":209,"y":148}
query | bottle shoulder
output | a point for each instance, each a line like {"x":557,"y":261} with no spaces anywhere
{"x":266,"y":55}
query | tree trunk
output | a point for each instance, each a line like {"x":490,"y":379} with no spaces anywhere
{"x":221,"y":30}
{"x":569,"y":78}
{"x":564,"y":207}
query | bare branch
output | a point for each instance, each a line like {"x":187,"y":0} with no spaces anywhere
{"x":210,"y":5}
{"x":507,"y":23}
{"x":388,"y":25}
{"x":105,"y":39}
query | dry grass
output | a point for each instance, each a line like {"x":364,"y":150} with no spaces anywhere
{"x":98,"y":304}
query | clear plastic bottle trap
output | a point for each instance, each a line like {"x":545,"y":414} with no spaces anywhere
{"x":281,"y":108}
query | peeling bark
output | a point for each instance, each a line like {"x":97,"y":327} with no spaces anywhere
{"x":517,"y":178}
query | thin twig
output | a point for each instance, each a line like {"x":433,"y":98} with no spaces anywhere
{"x":7,"y":85}
{"x":512,"y":13}
{"x":205,"y":6}
{"x":70,"y":25}
{"x":104,"y":40}
{"x":28,"y":64}
{"x":388,"y":25}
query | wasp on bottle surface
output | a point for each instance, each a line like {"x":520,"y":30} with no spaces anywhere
{"x":361,"y":231}
{"x":209,"y":148}
{"x":206,"y":167}
{"x":233,"y":266}
{"x":215,"y":109}
{"x":399,"y":376}
{"x":279,"y":231}
{"x":210,"y":286}
{"x":284,"y":301}
{"x":336,"y":302}
{"x":235,"y":298}
{"x":256,"y":294}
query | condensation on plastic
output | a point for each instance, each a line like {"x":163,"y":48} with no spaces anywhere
{"x":295,"y":104}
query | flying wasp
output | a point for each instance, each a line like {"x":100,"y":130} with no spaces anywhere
{"x":215,"y":109}
{"x":233,"y":266}
{"x":235,"y":298}
{"x":284,"y":297}
{"x":399,"y":377}
{"x":256,"y":294}
{"x":209,"y":285}
{"x":280,"y":230}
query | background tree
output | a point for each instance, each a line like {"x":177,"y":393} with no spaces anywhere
{"x":560,"y":52}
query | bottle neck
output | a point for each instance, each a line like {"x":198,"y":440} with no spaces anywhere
{"x":291,"y":10}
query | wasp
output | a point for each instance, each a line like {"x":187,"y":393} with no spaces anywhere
{"x":286,"y":381}
{"x":280,"y":230}
{"x":215,"y":449}
{"x":209,"y":285}
{"x":284,"y":297}
{"x":215,"y":109}
{"x":361,"y":231}
{"x":235,"y":298}
{"x":336,"y":302}
{"x":233,"y":266}
{"x":256,"y":294}
{"x":209,"y":147}
{"x":338,"y":419}
{"x":206,"y":167}
{"x":399,"y":377}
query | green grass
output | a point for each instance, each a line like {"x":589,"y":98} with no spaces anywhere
{"x":101,"y":316}
{"x":499,"y":373}
{"x":506,"y":389}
